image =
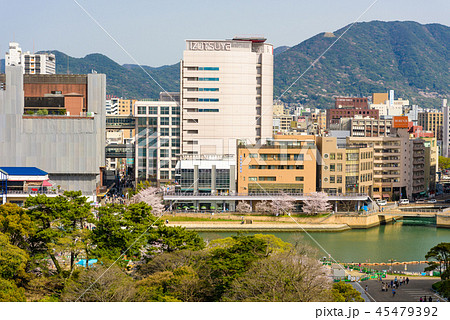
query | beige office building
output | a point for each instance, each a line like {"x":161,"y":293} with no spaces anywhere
{"x":432,"y":121}
{"x":226,"y":94}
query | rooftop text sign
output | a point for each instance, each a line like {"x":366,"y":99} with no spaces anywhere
{"x":209,"y":45}
{"x":400,"y":122}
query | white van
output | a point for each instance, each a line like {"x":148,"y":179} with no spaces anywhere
{"x":403,"y":201}
{"x":381,"y":202}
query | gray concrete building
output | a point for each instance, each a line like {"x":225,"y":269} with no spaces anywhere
{"x":70,"y":148}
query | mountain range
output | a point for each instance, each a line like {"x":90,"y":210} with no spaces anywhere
{"x":411,"y":58}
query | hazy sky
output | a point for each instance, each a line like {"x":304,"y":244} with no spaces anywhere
{"x":153,"y":32}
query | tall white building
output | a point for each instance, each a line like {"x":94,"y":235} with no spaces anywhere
{"x":226,"y":94}
{"x":37,"y":63}
{"x":445,"y":129}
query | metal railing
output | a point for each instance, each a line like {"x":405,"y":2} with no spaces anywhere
{"x":21,"y":192}
{"x":259,"y":194}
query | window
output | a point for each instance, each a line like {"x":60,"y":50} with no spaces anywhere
{"x":207,"y":79}
{"x":300,"y":167}
{"x":267,"y":178}
{"x":192,"y":131}
{"x":165,"y":110}
{"x":253,"y":155}
{"x":208,"y":100}
{"x":175,"y":152}
{"x":208,"y":110}
{"x":339,"y":156}
{"x":164,"y":163}
{"x":175,"y":142}
{"x":142,"y":152}
{"x":175,"y":110}
{"x":209,"y":68}
{"x":332,"y":179}
{"x":192,"y":120}
{"x":153,"y":110}
{"x":164,"y":153}
{"x":208,"y":89}
{"x":252,"y":179}
{"x":164,"y":121}
{"x":332,"y":156}
{"x":164,"y":142}
{"x":142,"y":110}
{"x":332,"y":167}
{"x":299,"y":179}
{"x":176,"y":132}
{"x":339,"y":167}
{"x":142,"y":122}
{"x":252,"y":167}
{"x":175,"y":121}
{"x":164,"y":175}
{"x":338,"y":179}
{"x":164,"y":132}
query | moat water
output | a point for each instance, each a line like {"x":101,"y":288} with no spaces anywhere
{"x":407,"y":240}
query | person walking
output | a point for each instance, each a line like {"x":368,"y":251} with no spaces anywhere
{"x":407,"y":280}
{"x":421,"y":299}
{"x":393,"y":292}
{"x":430,"y":299}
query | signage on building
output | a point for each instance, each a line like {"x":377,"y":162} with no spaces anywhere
{"x":209,"y":46}
{"x":400,"y":122}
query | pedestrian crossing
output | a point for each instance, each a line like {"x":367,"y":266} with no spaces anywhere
{"x":417,"y":293}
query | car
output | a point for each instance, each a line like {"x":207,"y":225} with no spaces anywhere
{"x":403,"y":201}
{"x":381,"y":202}
{"x":431,"y":201}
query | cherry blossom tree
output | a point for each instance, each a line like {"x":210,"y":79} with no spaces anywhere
{"x":152,"y":197}
{"x":243,"y":207}
{"x":263,"y":207}
{"x":316,"y":202}
{"x":283,"y":204}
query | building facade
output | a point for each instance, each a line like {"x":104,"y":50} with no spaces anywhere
{"x":226,"y":94}
{"x":158,"y":140}
{"x":432,"y":121}
{"x":70,"y":148}
{"x":285,"y":164}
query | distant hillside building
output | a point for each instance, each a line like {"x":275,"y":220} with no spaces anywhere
{"x":348,"y":108}
{"x":37,"y":63}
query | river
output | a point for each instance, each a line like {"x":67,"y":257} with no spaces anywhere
{"x":402,"y":241}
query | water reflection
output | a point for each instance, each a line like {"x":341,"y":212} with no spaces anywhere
{"x":399,"y":241}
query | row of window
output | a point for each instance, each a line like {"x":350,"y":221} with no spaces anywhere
{"x":202,"y":79}
{"x":203,"y":89}
{"x":262,"y":178}
{"x":278,"y":157}
{"x":154,"y":110}
{"x":203,"y":68}
{"x":258,"y":167}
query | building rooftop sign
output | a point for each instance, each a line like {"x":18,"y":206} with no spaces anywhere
{"x":400,"y":122}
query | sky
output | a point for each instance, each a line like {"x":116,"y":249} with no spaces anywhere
{"x":154,"y":32}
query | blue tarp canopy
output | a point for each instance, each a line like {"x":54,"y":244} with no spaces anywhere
{"x":23,"y":171}
{"x":82,"y":262}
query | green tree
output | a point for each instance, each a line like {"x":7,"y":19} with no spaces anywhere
{"x":223,"y":265}
{"x":13,"y":260}
{"x":444,"y":163}
{"x":282,"y":277}
{"x":441,"y":254}
{"x":47,"y":214}
{"x":10,"y":293}
{"x":100,"y":284}
{"x":16,"y":224}
{"x":344,"y":292}
{"x":178,"y":238}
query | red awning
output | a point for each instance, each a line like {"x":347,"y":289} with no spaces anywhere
{"x":385,"y":195}
{"x":376,"y":196}
{"x":46,"y":184}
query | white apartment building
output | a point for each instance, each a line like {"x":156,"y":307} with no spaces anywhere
{"x":112,"y":106}
{"x":226,"y":94}
{"x":37,"y":63}
{"x":445,"y":129}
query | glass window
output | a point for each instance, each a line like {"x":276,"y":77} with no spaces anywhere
{"x":176,"y":132}
{"x":164,"y":131}
{"x":175,"y":110}
{"x":208,"y":89}
{"x":208,"y":79}
{"x":339,"y":156}
{"x":175,"y":152}
{"x":339,"y":179}
{"x":153,"y":110}
{"x":209,"y":68}
{"x":142,"y":152}
{"x":164,"y":175}
{"x":208,"y":100}
{"x":176,"y":121}
{"x":252,"y":179}
{"x":142,"y":122}
{"x":253,"y":155}
{"x":299,"y":178}
{"x":165,"y":142}
{"x":164,"y":121}
{"x":142,"y":109}
{"x":332,"y":179}
{"x":298,"y":157}
{"x":164,"y":164}
{"x":332,"y":156}
{"x":339,"y":167}
{"x":165,"y":110}
{"x":332,"y":167}
{"x":175,"y":142}
{"x":300,"y":167}
{"x":164,"y":153}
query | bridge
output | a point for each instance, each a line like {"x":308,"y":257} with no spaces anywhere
{"x":115,"y":151}
{"x":119,"y":122}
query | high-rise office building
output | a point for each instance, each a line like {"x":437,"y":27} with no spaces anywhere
{"x":37,"y":63}
{"x":226,"y":94}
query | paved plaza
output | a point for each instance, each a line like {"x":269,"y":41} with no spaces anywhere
{"x":405,"y":293}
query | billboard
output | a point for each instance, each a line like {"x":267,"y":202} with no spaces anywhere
{"x":400,"y":122}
